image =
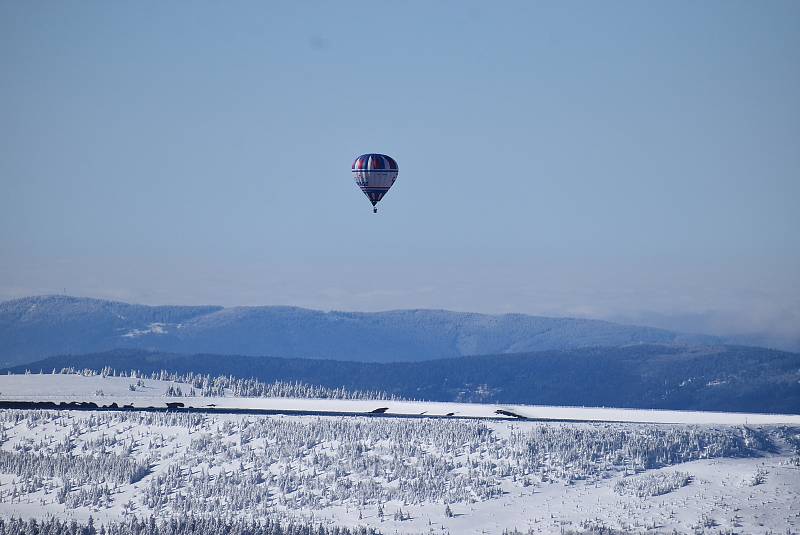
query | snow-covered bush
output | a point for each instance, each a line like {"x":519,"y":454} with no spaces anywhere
{"x":759,"y":477}
{"x":652,"y":484}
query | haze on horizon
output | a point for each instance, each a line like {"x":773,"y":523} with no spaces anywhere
{"x":623,"y":161}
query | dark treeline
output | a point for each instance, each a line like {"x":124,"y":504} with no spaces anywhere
{"x":175,"y":526}
{"x":197,"y":384}
{"x":726,"y":378}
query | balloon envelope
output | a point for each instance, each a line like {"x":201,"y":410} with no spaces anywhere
{"x":374,"y":174}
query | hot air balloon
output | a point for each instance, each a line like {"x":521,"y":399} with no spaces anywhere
{"x":374,"y":174}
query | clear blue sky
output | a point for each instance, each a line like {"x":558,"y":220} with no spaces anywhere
{"x":623,"y":160}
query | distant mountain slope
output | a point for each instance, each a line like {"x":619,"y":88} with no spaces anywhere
{"x":723,"y":378}
{"x":35,"y":327}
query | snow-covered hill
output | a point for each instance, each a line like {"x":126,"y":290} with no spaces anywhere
{"x":143,"y":393}
{"x":597,"y":468}
{"x":35,"y":327}
{"x":400,"y":476}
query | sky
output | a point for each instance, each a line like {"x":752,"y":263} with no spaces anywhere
{"x":632,"y":161}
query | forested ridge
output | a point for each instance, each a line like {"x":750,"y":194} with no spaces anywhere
{"x":726,"y":378}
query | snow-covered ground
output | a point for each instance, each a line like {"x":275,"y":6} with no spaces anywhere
{"x":148,"y":392}
{"x":400,"y":475}
{"x":700,"y":471}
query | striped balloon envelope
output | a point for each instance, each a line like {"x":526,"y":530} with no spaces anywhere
{"x":374,"y":174}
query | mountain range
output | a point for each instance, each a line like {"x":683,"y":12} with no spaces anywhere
{"x":32,"y":328}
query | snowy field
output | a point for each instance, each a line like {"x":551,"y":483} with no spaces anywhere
{"x":412,"y":475}
{"x":400,"y":475}
{"x":149,"y":392}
